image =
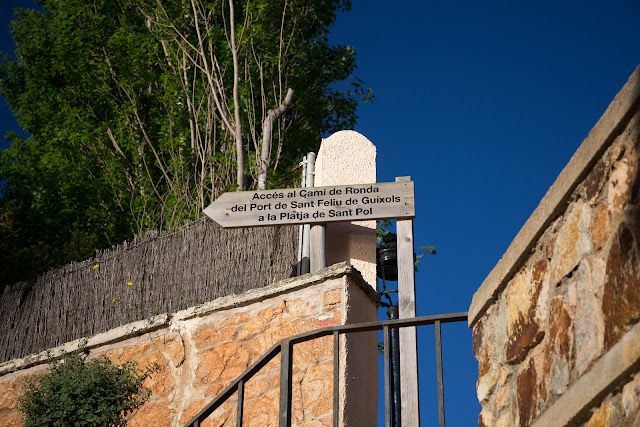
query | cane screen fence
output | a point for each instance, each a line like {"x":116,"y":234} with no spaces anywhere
{"x":158,"y":273}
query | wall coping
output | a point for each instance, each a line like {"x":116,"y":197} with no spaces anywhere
{"x":609,"y":372}
{"x":140,"y":327}
{"x":608,"y":127}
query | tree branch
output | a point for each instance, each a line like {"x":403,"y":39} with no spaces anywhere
{"x":236,"y":100}
{"x":267,"y":130}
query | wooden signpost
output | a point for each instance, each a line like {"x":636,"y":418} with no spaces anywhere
{"x":314,"y":205}
{"x":358,"y":202}
{"x":410,"y":407}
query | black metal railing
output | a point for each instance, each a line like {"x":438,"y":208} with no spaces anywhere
{"x":285,"y":348}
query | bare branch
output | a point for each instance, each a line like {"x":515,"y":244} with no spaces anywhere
{"x":267,"y":130}
{"x":236,"y":101}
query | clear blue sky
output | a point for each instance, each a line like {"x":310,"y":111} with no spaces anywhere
{"x":483,"y":104}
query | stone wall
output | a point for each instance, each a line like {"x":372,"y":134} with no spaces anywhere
{"x":554,"y":324}
{"x":202,"y":349}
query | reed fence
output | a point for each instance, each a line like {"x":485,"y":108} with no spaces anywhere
{"x":158,"y":273}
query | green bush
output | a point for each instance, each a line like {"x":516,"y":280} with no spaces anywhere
{"x":79,"y":393}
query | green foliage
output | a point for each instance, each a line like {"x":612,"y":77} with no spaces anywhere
{"x":431,"y":250}
{"x":79,"y":393}
{"x":114,"y":148}
{"x":383,"y":229}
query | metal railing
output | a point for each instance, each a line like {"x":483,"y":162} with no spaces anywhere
{"x":285,"y":348}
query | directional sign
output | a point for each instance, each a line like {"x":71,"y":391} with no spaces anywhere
{"x":314,"y":205}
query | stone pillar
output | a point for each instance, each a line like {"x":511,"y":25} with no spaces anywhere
{"x":347,"y":157}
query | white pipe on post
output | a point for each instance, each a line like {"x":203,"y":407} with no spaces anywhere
{"x":303,"y":181}
{"x":318,"y":235}
{"x":306,"y":265}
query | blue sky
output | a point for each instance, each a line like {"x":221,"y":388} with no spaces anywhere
{"x":7,"y":121}
{"x":483,"y":104}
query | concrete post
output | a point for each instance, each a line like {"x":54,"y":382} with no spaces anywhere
{"x":347,"y":157}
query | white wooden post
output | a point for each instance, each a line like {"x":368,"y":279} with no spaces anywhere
{"x":409,"y":397}
{"x":318,"y":247}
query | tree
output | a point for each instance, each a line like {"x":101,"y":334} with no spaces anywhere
{"x":141,"y":112}
{"x":79,"y":393}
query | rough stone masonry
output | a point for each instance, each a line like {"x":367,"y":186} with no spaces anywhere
{"x":555,"y":324}
{"x":202,"y":349}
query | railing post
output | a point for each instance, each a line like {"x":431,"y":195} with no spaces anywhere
{"x":387,"y":377}
{"x":396,"y":402}
{"x":240,"y":403}
{"x":336,"y":378}
{"x":440,"y":376}
{"x":285,"y":383}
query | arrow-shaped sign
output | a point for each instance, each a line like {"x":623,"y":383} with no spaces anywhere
{"x":358,"y":202}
